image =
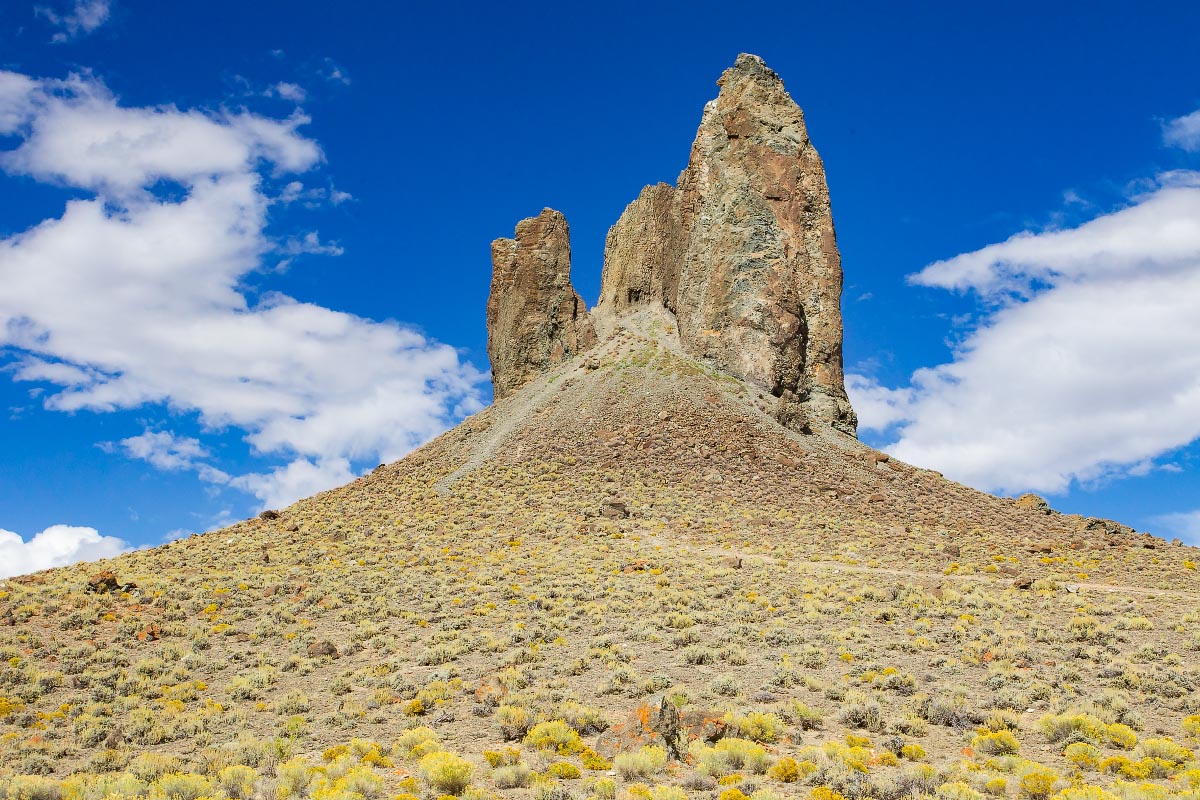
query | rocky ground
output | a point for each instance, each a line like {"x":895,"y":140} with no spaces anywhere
{"x":524,"y":594}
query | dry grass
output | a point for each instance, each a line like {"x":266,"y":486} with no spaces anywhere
{"x":870,"y":643}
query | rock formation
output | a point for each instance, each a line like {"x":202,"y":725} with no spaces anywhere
{"x":535,"y":318}
{"x":742,"y":251}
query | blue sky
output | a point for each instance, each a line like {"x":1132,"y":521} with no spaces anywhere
{"x":244,"y":247}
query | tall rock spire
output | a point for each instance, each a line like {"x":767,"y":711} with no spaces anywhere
{"x":742,"y":250}
{"x":535,"y":318}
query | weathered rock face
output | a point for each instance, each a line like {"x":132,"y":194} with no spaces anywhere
{"x":743,"y":251}
{"x":642,"y":254}
{"x":535,"y":318}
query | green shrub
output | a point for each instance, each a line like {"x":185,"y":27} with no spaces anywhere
{"x":513,"y":721}
{"x":513,"y":776}
{"x":416,"y":743}
{"x":446,"y":772}
{"x":555,"y":735}
{"x":642,"y":764}
{"x":237,"y":781}
{"x":729,"y":756}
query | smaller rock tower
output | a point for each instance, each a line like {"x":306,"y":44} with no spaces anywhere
{"x":535,"y":318}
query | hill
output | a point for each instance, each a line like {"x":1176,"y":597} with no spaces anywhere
{"x":659,"y":566}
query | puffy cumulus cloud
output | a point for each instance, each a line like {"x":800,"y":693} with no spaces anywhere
{"x":1159,"y":234}
{"x":1185,"y":525}
{"x":300,"y":478}
{"x":16,"y":100}
{"x":75,"y":133}
{"x":166,"y":451}
{"x":1184,"y":132}
{"x":877,"y":406}
{"x":137,"y":296}
{"x":57,"y":546}
{"x":83,"y":17}
{"x":1086,"y":364}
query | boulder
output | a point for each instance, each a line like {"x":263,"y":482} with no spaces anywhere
{"x":322,"y":648}
{"x":105,"y":581}
{"x":614,"y":509}
{"x":659,"y":722}
{"x":1034,"y":503}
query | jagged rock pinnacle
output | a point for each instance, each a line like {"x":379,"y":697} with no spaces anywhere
{"x":535,"y":318}
{"x":742,"y":250}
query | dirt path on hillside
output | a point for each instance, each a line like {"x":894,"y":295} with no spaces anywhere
{"x":521,"y":410}
{"x":837,"y":566}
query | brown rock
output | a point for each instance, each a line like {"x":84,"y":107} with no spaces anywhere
{"x":1022,"y":583}
{"x":658,"y":722}
{"x":614,"y":509}
{"x":322,"y":648}
{"x":642,"y":253}
{"x":1108,"y":526}
{"x":655,"y":721}
{"x":702,"y":724}
{"x":1034,"y":503}
{"x":743,"y":252}
{"x":535,"y":318}
{"x":105,"y":581}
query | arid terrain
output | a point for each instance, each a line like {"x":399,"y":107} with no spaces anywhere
{"x":647,"y":573}
{"x":629,"y":528}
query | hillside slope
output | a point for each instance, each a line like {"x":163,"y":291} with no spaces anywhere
{"x":630,"y":524}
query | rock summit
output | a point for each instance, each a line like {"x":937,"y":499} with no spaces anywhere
{"x":741,"y":252}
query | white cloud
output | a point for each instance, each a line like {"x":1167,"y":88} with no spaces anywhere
{"x":311,"y":197}
{"x":1185,"y":525}
{"x":84,"y":17}
{"x":301,"y":478}
{"x":310,"y":244}
{"x":75,"y":133}
{"x":1184,"y":132}
{"x":288,"y":91}
{"x":1159,"y":233}
{"x":1086,"y":365}
{"x":878,"y":407}
{"x":57,"y":546}
{"x":165,"y":450}
{"x":129,"y":298}
{"x":16,"y":100}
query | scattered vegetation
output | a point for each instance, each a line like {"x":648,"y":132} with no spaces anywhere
{"x":386,"y":640}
